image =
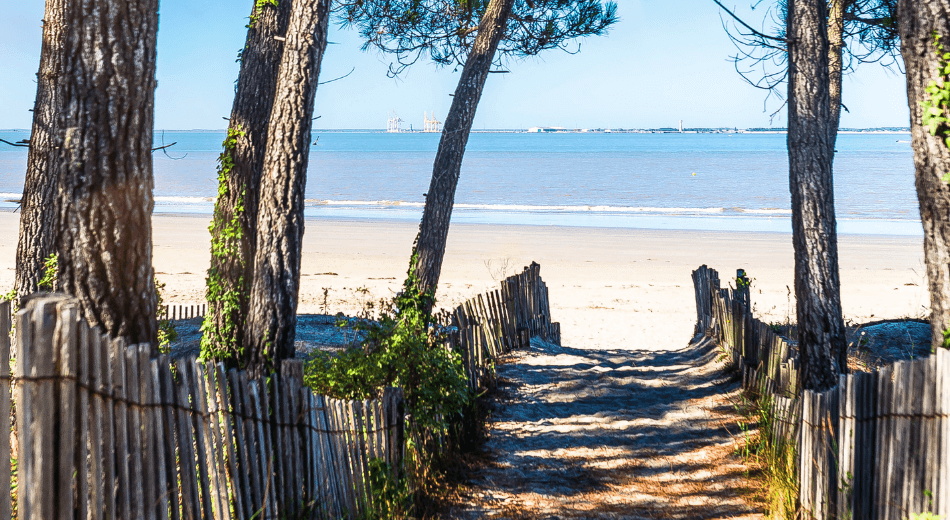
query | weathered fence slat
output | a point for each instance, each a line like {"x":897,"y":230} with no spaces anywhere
{"x":249,"y":446}
{"x":137,"y":478}
{"x":67,"y":336}
{"x":120,"y":406}
{"x":216,"y":465}
{"x":262,"y":465}
{"x":292,"y":393}
{"x":277,"y":403}
{"x":269,"y":463}
{"x":875,"y":446}
{"x":188,"y":475}
{"x":161,"y":436}
{"x":942,"y":490}
{"x":5,"y":477}
{"x":246,"y":434}
{"x":166,"y":390}
{"x":145,"y":443}
{"x":30,"y":481}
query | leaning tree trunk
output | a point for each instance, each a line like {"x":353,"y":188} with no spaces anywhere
{"x":810,"y":156}
{"x":836,"y":11}
{"x":234,"y":228}
{"x":434,"y":230}
{"x":38,"y":213}
{"x":105,"y":251}
{"x":272,"y":320}
{"x":919,"y":22}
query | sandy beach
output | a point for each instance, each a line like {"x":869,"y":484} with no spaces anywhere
{"x":610,"y":288}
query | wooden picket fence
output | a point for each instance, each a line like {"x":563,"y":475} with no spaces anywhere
{"x":492,"y":324}
{"x":769,"y":364}
{"x":181,"y":311}
{"x":876,"y":446}
{"x":106,"y":431}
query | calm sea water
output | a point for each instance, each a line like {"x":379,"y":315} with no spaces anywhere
{"x":659,"y":181}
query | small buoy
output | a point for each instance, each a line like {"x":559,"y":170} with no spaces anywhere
{"x":694,"y":174}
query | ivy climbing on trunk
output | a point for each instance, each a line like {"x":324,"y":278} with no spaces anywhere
{"x":234,"y":226}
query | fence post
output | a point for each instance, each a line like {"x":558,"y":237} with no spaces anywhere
{"x":5,"y":323}
{"x":818,"y":474}
{"x":36,"y":422}
{"x":942,"y":489}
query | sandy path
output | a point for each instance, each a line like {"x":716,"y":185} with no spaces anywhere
{"x":610,"y":434}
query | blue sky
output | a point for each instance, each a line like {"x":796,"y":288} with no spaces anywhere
{"x":664,"y":61}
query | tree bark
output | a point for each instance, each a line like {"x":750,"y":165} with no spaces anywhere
{"x":272,"y":320}
{"x":38,"y":207}
{"x":810,"y":156}
{"x":836,"y":12}
{"x":434,"y":230}
{"x":105,"y":252}
{"x":918,"y":19}
{"x":234,"y":228}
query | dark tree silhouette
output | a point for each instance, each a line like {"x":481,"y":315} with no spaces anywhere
{"x":272,"y":320}
{"x":921,"y":23}
{"x":811,"y":49}
{"x":38,"y":207}
{"x":821,"y":333}
{"x":105,"y":200}
{"x":476,"y":36}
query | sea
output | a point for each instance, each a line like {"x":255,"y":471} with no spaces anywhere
{"x":691,"y":181}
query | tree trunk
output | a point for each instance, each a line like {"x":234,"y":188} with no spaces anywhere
{"x":810,"y":156}
{"x":105,"y":250}
{"x":234,"y":228}
{"x":918,"y":20}
{"x":836,"y":10}
{"x":272,"y":320}
{"x":434,"y":230}
{"x":38,"y":210}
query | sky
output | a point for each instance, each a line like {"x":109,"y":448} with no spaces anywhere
{"x":664,"y":61}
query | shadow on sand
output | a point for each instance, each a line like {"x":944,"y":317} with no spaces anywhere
{"x":610,"y":434}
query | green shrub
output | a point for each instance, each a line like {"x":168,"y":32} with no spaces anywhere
{"x":403,"y":348}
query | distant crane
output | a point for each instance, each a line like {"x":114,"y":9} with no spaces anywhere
{"x":394,"y":123}
{"x":431,"y":125}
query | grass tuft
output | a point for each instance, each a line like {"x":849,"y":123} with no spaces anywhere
{"x":773,"y":455}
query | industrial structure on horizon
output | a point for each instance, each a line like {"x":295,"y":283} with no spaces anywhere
{"x":394,"y":123}
{"x":429,"y":123}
